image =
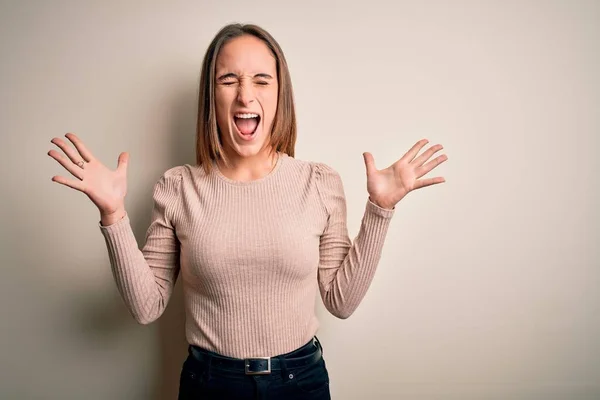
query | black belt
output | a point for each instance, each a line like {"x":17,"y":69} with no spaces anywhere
{"x":257,"y":365}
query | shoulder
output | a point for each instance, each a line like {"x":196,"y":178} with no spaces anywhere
{"x":318,"y":171}
{"x":328,"y":184}
{"x":167,"y":192}
{"x":327,"y":178}
{"x":174,"y":173}
{"x":325,"y":172}
{"x":170,"y":180}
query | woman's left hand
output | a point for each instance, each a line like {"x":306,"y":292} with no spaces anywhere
{"x":388,"y":186}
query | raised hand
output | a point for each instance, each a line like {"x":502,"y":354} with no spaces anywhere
{"x":388,"y":186}
{"x":106,"y":188}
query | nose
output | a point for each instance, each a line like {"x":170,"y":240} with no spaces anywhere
{"x":245,"y":93}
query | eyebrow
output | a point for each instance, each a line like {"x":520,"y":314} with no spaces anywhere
{"x":232,"y":75}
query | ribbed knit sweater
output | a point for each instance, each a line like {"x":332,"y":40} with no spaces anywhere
{"x":251,"y":255}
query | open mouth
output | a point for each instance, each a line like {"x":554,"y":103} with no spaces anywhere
{"x":246,"y":123}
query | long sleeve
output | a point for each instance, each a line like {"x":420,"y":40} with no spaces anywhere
{"x":145,"y":278}
{"x":346,"y":269}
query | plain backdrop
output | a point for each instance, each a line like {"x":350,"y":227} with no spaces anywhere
{"x":488,"y":286}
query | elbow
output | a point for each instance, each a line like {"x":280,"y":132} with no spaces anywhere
{"x":341,"y":312}
{"x":337,"y":305}
{"x":145,"y":318}
{"x":343,"y":315}
{"x":150,"y":313}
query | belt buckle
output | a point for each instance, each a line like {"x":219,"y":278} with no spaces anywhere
{"x":264,"y":372}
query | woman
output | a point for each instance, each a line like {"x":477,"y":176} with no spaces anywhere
{"x":252,"y":230}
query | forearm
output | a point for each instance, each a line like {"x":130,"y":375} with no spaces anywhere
{"x":348,"y":284}
{"x":137,"y":284}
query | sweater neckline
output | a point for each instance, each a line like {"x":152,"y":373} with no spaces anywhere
{"x":268,"y":176}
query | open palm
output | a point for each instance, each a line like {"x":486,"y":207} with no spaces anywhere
{"x":106,"y":188}
{"x":388,"y":186}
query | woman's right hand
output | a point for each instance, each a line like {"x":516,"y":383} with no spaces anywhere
{"x":106,"y":188}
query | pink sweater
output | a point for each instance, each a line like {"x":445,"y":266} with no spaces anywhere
{"x":251,"y":255}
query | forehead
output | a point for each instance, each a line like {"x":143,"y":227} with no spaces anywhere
{"x":245,"y":54}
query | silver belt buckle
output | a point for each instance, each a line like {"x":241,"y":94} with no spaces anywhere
{"x":247,"y":364}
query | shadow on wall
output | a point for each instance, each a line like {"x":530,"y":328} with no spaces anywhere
{"x":102,"y":319}
{"x":172,"y":342}
{"x":172,"y":346}
{"x":107,"y":319}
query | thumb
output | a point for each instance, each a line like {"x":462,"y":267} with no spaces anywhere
{"x":369,"y":162}
{"x":123,"y":161}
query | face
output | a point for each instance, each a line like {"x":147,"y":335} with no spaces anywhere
{"x":246,"y":90}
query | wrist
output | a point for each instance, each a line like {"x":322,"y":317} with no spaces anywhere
{"x":113,"y":217}
{"x":381,"y":204}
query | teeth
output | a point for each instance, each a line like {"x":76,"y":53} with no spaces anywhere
{"x":246,"y":115}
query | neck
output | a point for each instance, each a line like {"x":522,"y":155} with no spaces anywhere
{"x":249,"y":168}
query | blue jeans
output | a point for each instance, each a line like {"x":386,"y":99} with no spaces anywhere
{"x":208,"y":380}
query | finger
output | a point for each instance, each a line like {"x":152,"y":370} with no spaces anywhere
{"x":431,"y":165}
{"x":83,"y":151}
{"x":412,"y":153}
{"x":69,"y":166}
{"x":77,"y":185}
{"x":68,"y":150}
{"x":369,"y":163}
{"x":426,"y":155}
{"x":428,"y":182}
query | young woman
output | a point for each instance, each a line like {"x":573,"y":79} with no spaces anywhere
{"x":252,"y":230}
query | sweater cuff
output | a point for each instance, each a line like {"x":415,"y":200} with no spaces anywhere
{"x":120,"y":239}
{"x":116,"y":226}
{"x":373,"y":208}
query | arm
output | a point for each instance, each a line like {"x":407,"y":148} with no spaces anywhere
{"x":145,"y":278}
{"x":346,"y":269}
